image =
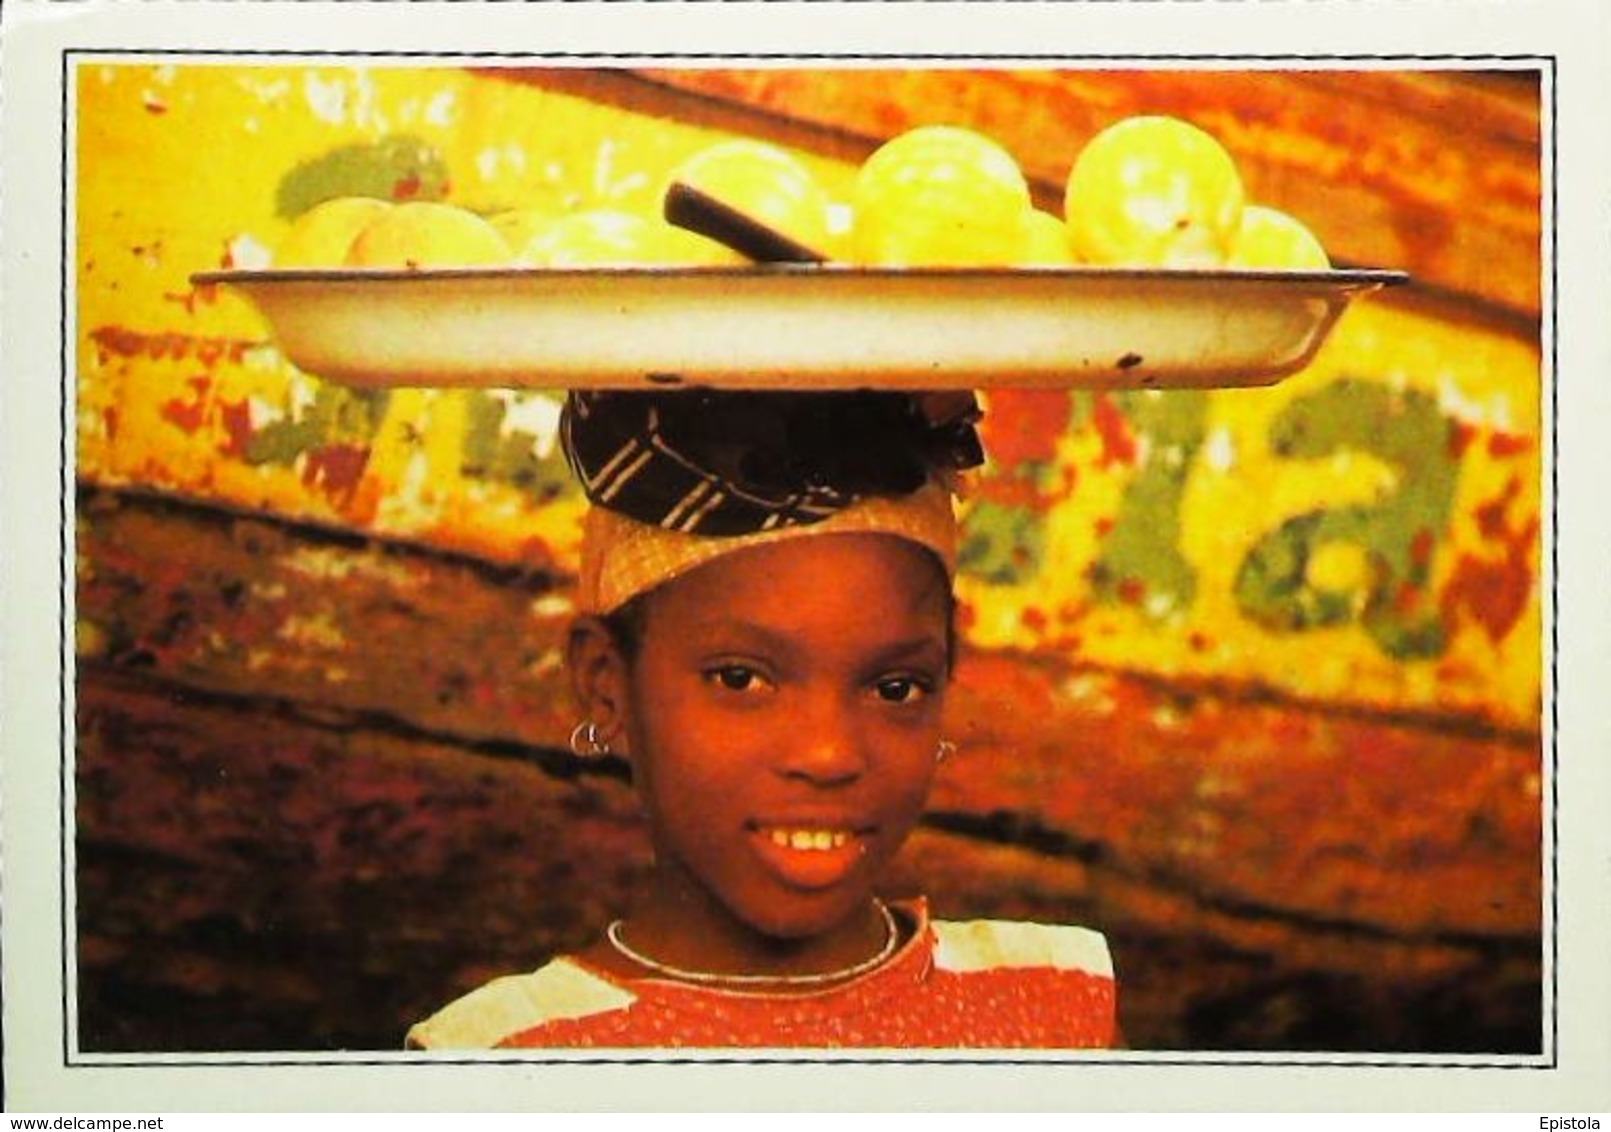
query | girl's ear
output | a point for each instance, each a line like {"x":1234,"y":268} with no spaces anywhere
{"x":600,"y":679}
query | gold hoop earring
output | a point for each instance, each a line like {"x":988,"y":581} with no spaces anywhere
{"x":587,"y":743}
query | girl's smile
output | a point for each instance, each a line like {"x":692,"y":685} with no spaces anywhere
{"x":781,"y":709}
{"x":810,"y":856}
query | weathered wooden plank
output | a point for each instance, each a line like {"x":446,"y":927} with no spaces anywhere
{"x":1391,"y":826}
{"x":226,"y":601}
{"x":250,"y":878}
{"x":1271,"y":873}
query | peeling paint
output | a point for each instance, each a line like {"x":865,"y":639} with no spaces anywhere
{"x":1093,"y":528}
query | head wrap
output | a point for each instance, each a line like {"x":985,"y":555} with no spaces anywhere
{"x":677,"y":479}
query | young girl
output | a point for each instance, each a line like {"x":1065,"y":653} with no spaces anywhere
{"x":766,"y":636}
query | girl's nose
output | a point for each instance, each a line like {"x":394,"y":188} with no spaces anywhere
{"x":824,"y":743}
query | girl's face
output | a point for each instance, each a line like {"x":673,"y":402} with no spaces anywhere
{"x":782,"y":715}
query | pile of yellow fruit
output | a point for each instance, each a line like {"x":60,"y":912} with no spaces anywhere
{"x":364,"y":232}
{"x":1147,"y":191}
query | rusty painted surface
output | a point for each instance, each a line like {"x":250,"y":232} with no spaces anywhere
{"x":262,"y":796}
{"x":1384,"y":506}
{"x":238,"y":606}
{"x":252,"y":876}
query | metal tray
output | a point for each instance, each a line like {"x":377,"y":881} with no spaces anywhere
{"x":800,"y":326}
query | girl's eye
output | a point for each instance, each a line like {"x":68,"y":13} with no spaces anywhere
{"x":902,"y":689}
{"x":735,"y":677}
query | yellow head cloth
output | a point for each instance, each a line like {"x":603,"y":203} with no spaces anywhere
{"x":622,"y":558}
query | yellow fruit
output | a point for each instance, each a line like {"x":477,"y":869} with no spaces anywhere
{"x":428,"y":234}
{"x":764,"y":183}
{"x":321,"y":236}
{"x":836,"y":243}
{"x":606,"y":237}
{"x":677,"y":247}
{"x":939,"y":195}
{"x":1153,"y":192}
{"x":1046,"y":241}
{"x":520,"y":226}
{"x":1269,"y":238}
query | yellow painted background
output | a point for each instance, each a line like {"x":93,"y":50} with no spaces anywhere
{"x":177,"y":168}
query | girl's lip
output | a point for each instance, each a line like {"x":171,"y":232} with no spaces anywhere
{"x":809,"y":854}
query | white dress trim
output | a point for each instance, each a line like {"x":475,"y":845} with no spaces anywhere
{"x":977,"y":945}
{"x":513,"y":1003}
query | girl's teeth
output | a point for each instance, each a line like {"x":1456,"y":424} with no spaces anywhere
{"x":810,"y":839}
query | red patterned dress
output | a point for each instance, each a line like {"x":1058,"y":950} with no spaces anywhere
{"x":987,"y":984}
